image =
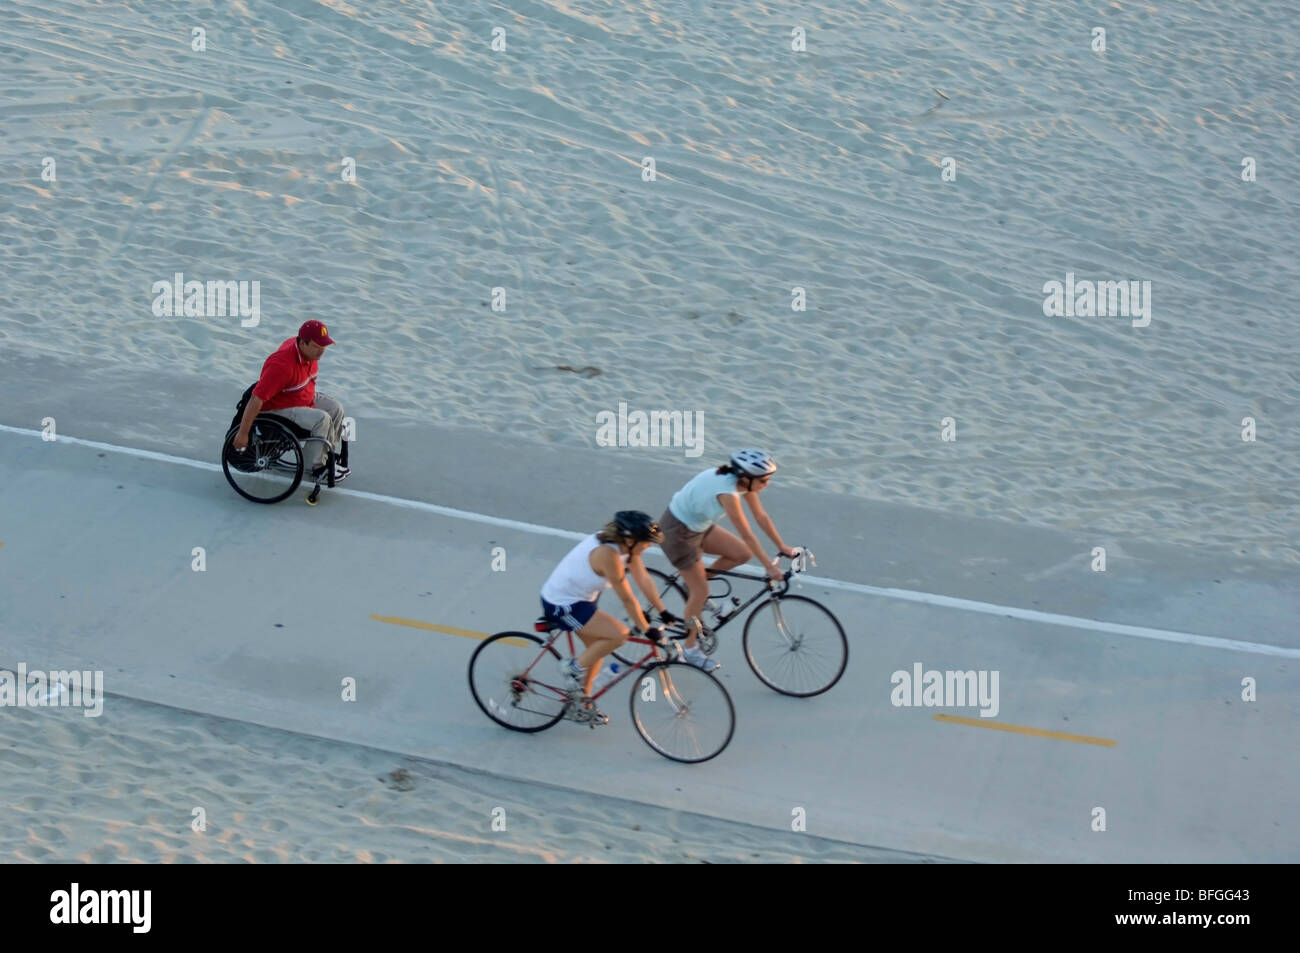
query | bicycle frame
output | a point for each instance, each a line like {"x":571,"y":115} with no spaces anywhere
{"x":574,"y":652}
{"x":766,"y":591}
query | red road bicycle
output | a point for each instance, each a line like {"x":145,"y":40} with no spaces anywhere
{"x":680,"y":711}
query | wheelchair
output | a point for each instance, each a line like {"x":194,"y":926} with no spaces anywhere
{"x":271,"y":467}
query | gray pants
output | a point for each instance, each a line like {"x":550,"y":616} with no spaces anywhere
{"x":324,"y":419}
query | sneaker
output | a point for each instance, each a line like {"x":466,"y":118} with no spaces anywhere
{"x":697,"y":658}
{"x":574,"y":675}
{"x":340,"y":472}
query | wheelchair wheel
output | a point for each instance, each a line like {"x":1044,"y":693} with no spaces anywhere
{"x":271,"y":466}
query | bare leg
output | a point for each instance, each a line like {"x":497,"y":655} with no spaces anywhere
{"x":697,"y":584}
{"x":601,"y":635}
{"x":728,"y":547}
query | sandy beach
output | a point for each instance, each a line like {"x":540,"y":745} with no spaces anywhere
{"x":125,"y":788}
{"x":521,"y":170}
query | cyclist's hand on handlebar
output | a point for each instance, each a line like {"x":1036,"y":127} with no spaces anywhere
{"x":655,"y":634}
{"x":774,"y":572}
{"x":667,"y":618}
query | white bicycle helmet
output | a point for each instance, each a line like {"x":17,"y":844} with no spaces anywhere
{"x":753,"y":462}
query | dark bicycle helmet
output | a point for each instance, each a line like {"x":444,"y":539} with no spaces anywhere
{"x":638,"y":526}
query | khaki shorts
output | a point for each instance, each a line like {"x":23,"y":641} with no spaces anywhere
{"x":324,"y":419}
{"x":682,"y":545}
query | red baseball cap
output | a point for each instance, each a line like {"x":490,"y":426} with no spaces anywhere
{"x":315,"y":332}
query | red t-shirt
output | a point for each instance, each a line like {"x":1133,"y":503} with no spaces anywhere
{"x":287,"y":379}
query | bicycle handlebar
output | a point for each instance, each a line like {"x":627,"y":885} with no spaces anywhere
{"x":800,"y":560}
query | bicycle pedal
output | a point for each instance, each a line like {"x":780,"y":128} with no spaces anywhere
{"x":588,"y":716}
{"x":575,"y":711}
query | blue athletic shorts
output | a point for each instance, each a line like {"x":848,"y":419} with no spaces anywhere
{"x":572,"y":618}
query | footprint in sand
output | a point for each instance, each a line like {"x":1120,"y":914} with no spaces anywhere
{"x":398,"y":780}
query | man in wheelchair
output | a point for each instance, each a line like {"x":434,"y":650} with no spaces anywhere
{"x":288,"y":387}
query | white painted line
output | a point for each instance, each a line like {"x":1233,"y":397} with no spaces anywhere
{"x":1052,"y":618}
{"x":129,"y":451}
{"x":464,"y":514}
{"x":906,"y":595}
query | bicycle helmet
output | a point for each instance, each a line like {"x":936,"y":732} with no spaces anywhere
{"x":753,"y":462}
{"x":638,"y":526}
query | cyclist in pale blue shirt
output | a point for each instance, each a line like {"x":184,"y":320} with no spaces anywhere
{"x":690,"y":529}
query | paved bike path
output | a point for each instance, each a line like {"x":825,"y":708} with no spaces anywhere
{"x":97,"y":566}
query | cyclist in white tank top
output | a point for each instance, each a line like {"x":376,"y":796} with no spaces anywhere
{"x":599,"y":562}
{"x":574,"y":580}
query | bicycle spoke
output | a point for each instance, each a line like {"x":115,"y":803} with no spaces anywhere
{"x":681,"y":713}
{"x":671,"y":695}
{"x":783,"y":629}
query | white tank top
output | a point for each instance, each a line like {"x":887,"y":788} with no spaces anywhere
{"x":573,"y":579}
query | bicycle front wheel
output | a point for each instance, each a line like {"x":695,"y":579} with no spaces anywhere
{"x":682,"y":712}
{"x":795,"y":646}
{"x":513,"y":679}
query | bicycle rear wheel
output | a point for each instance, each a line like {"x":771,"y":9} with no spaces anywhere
{"x":270,"y":468}
{"x":513,"y":680}
{"x":795,"y":646}
{"x":682,"y":712}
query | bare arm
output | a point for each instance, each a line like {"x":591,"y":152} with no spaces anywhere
{"x":251,"y":410}
{"x":607,"y":564}
{"x":731,"y":504}
{"x":765,"y":522}
{"x":646,"y":582}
